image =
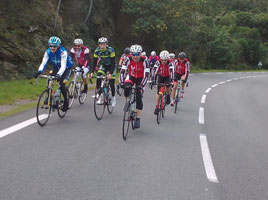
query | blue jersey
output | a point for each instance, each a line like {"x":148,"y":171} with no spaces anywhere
{"x":60,"y":59}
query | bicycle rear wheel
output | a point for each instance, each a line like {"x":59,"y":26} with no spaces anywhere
{"x":43,"y":108}
{"x":158,"y":116}
{"x":60,"y":111}
{"x":177,"y":100}
{"x":126,"y":122}
{"x":72,"y":93}
{"x":110,"y":108}
{"x":99,"y":106}
{"x":82,"y":96}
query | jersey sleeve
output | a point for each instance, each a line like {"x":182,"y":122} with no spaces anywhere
{"x":63,"y":62}
{"x":44,"y":62}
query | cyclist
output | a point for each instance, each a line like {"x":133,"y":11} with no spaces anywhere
{"x":123,"y":57}
{"x":62,"y":63}
{"x":105,"y":56}
{"x":152,"y":60}
{"x":80,"y":53}
{"x":173,"y":59}
{"x":164,"y":69}
{"x":181,"y":73}
{"x":138,"y":72}
{"x":144,"y":54}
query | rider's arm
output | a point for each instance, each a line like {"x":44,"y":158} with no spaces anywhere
{"x":94,"y":64}
{"x":155,"y":70}
{"x":112,"y":68}
{"x":146,"y":73}
{"x":123,"y":70}
{"x":86,"y":58}
{"x":171,"y":70}
{"x":63,"y":62}
{"x":44,"y":62}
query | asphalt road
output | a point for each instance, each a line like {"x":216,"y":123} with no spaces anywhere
{"x":81,"y":158}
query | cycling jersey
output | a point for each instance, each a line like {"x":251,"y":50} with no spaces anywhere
{"x":152,"y":60}
{"x":136,"y":70}
{"x":60,"y":60}
{"x":182,"y":68}
{"x":124,"y":57}
{"x":163,"y":70}
{"x":106,"y":58}
{"x":81,"y":56}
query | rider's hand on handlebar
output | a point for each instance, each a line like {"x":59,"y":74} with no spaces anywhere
{"x":36,"y":74}
{"x":57,"y":77}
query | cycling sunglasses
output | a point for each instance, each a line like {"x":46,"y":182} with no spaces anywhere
{"x":136,"y":54}
{"x":54,"y":46}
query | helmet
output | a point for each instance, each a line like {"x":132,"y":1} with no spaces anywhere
{"x":54,"y":41}
{"x":103,"y":40}
{"x":143,"y":53}
{"x":127,"y":50}
{"x":164,"y":55}
{"x":171,"y":55}
{"x":153,"y":53}
{"x":182,"y":55}
{"x":135,"y":48}
{"x":78,"y":41}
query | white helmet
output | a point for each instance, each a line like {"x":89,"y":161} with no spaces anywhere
{"x":171,"y":55}
{"x":153,"y":53}
{"x":78,"y":41}
{"x":143,"y":53}
{"x":103,"y":40}
{"x":164,"y":55}
{"x":135,"y":48}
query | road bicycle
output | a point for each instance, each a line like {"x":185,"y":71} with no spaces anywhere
{"x":50,"y":99}
{"x":76,"y":88}
{"x":102,"y":98}
{"x":130,"y":113}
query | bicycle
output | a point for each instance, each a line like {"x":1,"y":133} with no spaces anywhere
{"x":130,"y":113}
{"x":50,"y":99}
{"x":103,"y":94}
{"x":119,"y":90}
{"x":177,"y":96}
{"x":162,"y":100}
{"x":76,"y":88}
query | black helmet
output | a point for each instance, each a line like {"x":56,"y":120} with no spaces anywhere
{"x":127,"y":50}
{"x":182,"y":55}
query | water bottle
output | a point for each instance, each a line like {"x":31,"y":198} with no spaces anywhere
{"x":105,"y":90}
{"x":57,"y":95}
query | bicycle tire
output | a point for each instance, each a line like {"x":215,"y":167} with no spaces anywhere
{"x":164,"y":106}
{"x":110,"y":108}
{"x":126,"y":122}
{"x":82,"y":96}
{"x":177,"y":100}
{"x":73,"y":94}
{"x":43,"y":120}
{"x":158,"y":116}
{"x":61,"y":113}
{"x":100,"y":107}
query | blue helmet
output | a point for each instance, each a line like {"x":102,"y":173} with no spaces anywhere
{"x":54,"y":41}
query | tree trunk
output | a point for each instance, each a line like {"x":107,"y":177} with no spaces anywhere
{"x":57,"y":14}
{"x":89,"y":10}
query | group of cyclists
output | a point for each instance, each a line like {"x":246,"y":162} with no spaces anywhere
{"x":135,"y":69}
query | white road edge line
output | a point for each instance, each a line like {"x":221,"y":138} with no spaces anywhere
{"x":203,"y":100}
{"x":208,"y":90}
{"x":201,"y":116}
{"x":210,"y":171}
{"x":215,"y":85}
{"x":221,"y":82}
{"x":19,"y":126}
{"x":229,"y":80}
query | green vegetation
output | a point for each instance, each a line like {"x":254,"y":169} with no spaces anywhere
{"x":215,"y":34}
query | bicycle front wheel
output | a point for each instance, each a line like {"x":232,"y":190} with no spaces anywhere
{"x":72,"y":93}
{"x":82,"y":97}
{"x":110,"y":108}
{"x":60,"y":111}
{"x":99,"y":105}
{"x":126,"y":122}
{"x":43,"y":108}
{"x":177,"y":100}
{"x":158,"y":116}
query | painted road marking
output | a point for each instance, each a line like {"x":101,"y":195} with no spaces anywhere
{"x":235,"y":79}
{"x":221,"y":82}
{"x":203,"y":100}
{"x":208,"y":90}
{"x":201,"y":116}
{"x":229,"y":80}
{"x":214,"y":85}
{"x":19,"y":126}
{"x":219,"y":73}
{"x":209,"y":167}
